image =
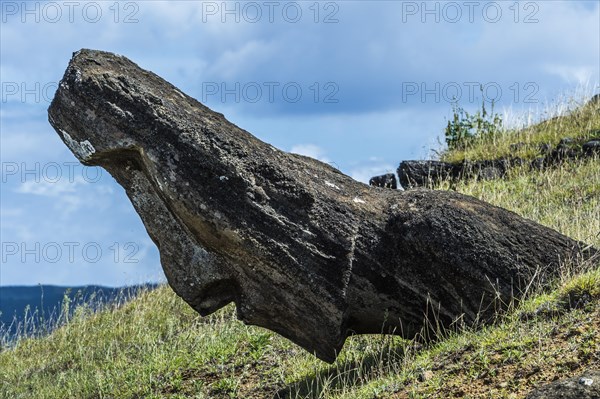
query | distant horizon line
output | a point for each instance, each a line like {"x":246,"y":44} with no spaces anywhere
{"x":84,"y":285}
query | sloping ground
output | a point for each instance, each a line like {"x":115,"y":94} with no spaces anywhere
{"x":544,"y":340}
{"x":155,"y":346}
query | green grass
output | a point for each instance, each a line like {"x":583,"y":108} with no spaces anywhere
{"x":155,"y":346}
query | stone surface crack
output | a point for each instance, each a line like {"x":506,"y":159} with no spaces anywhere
{"x":348,"y":272}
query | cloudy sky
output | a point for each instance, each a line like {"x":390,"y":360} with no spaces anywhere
{"x":360,"y":84}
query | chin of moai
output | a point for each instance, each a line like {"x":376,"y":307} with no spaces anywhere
{"x":301,"y":248}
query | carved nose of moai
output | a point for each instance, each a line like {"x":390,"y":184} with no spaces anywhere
{"x":96,"y":103}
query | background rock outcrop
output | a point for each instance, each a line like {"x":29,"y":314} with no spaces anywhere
{"x":384,"y":181}
{"x":429,"y":173}
{"x":301,"y":248}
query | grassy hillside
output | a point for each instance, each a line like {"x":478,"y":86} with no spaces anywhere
{"x":578,"y":120}
{"x":34,"y":309}
{"x":155,"y":346}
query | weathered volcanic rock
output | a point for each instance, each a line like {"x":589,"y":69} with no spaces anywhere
{"x":384,"y":181}
{"x":591,"y":147}
{"x":301,"y":248}
{"x":595,"y":100}
{"x":585,"y":386}
{"x":424,"y":173}
{"x":427,"y":173}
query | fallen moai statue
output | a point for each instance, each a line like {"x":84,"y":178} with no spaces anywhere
{"x":301,"y":248}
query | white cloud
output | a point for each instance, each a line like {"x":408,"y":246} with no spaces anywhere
{"x":47,"y":188}
{"x":310,"y":150}
{"x":231,"y":62}
{"x":69,"y":196}
{"x":12,"y":226}
{"x":365,"y":172}
{"x":11,"y":212}
{"x":573,"y":75}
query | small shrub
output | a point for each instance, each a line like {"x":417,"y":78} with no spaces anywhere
{"x":464,"y":127}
